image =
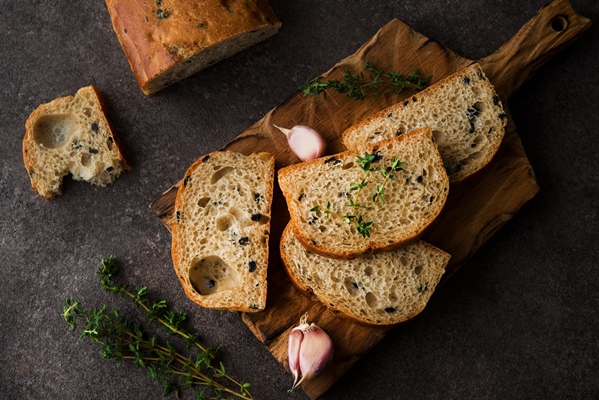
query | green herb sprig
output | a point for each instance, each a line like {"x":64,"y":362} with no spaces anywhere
{"x":121,"y":340}
{"x":360,"y":85}
{"x":365,"y":162}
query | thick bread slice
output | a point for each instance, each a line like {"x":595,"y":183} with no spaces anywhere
{"x":463,"y":111}
{"x":167,"y":40}
{"x":220,"y":236}
{"x":411,"y":201}
{"x":376,"y":289}
{"x":71,"y":135}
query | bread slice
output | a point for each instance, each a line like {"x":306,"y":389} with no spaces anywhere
{"x":412,"y":200}
{"x":220,"y":235}
{"x":375,"y":289}
{"x":166,"y":41}
{"x":71,"y":135}
{"x":463,"y":111}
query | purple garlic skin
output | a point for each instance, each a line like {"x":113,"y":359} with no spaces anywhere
{"x":310,"y":351}
{"x":305,"y":142}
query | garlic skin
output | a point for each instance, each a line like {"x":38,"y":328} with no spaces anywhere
{"x":310,"y":351}
{"x":305,"y":142}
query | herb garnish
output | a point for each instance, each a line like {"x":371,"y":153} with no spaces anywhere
{"x":362,"y":226}
{"x":124,"y":340}
{"x":359,"y":86}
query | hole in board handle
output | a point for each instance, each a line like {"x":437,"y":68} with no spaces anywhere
{"x":559,"y":23}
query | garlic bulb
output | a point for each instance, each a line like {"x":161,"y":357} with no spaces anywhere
{"x":310,"y":350}
{"x":305,"y":142}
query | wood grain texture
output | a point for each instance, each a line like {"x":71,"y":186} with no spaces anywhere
{"x":475,"y":209}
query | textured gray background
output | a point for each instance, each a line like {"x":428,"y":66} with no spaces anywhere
{"x":520,"y":320}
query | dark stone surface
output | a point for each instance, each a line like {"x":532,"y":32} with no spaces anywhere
{"x":520,"y":320}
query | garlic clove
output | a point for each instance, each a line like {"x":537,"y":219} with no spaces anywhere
{"x":305,"y":142}
{"x":295,"y":341}
{"x":310,"y":350}
{"x":316,"y":352}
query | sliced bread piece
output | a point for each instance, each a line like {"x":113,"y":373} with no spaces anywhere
{"x":220,"y":235}
{"x":71,"y":135}
{"x":376,"y":289}
{"x":319,"y":194}
{"x":463,"y":111}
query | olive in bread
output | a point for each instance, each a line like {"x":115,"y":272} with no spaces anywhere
{"x":71,"y":135}
{"x":463,"y":111}
{"x":321,"y":195}
{"x":167,"y":40}
{"x":374,"y":289}
{"x":221,"y":230}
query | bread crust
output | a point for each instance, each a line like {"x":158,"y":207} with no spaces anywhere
{"x":368,"y":245}
{"x":160,"y":35}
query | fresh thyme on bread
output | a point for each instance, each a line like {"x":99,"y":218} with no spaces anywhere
{"x":220,"y":235}
{"x":332,"y":219}
{"x":71,"y":135}
{"x":377,"y":289}
{"x":166,"y":40}
{"x":462,"y":110}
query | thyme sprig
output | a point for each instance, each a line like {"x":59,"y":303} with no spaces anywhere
{"x":121,"y":339}
{"x":360,"y":85}
{"x":365,"y":162}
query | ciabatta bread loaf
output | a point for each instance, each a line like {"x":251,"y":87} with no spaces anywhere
{"x":376,"y":289}
{"x":71,"y":135}
{"x":167,"y":40}
{"x":463,"y":111}
{"x":319,"y":195}
{"x":220,"y":235}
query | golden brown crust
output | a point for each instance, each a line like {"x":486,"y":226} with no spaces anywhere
{"x":157,"y":35}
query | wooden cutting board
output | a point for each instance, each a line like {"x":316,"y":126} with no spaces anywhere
{"x":474,"y":210}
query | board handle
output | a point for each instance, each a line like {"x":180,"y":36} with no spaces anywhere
{"x":552,"y":29}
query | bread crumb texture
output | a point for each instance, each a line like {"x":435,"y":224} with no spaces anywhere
{"x":412,"y":200}
{"x":463,"y":111}
{"x":167,"y":40}
{"x":71,"y":135}
{"x":221,"y":231}
{"x":375,"y":289}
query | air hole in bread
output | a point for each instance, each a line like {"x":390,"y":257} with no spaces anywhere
{"x":86,"y":159}
{"x":54,"y":131}
{"x":348,"y":165}
{"x":87,"y":112}
{"x":480,"y":106}
{"x":218,"y":175}
{"x":351,"y":286}
{"x":210,"y":275}
{"x":204,"y":201}
{"x":371,"y":300}
{"x":223,"y":223}
{"x":368,"y":271}
{"x":418,"y":269}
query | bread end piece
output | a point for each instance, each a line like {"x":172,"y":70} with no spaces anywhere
{"x":71,"y":135}
{"x":375,"y":289}
{"x":221,"y":230}
{"x":168,"y":41}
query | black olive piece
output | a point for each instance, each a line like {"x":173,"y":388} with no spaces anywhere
{"x":466,"y":80}
{"x":312,"y":220}
{"x":256,"y":217}
{"x":390,"y":115}
{"x":333,"y":160}
{"x":313,"y":242}
{"x":252,"y":265}
{"x":355,"y":285}
{"x":473,"y":145}
{"x":301,"y":196}
{"x":94,"y":125}
{"x":254,"y":307}
{"x":178,"y":216}
{"x":472,"y":112}
{"x":110,"y":169}
{"x":421,"y":288}
{"x":186,"y":180}
{"x":419,"y":179}
{"x":244,"y":240}
{"x":390,"y":309}
{"x":398,"y":132}
{"x":406,"y":103}
{"x":495,"y":100}
{"x":502,"y":115}
{"x":93,"y":151}
{"x":377,"y":156}
{"x":206,"y":158}
{"x":377,"y":133}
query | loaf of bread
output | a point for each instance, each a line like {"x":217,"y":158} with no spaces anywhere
{"x":319,"y":194}
{"x":463,"y":111}
{"x":220,"y":235}
{"x":167,"y":40}
{"x":375,"y":289}
{"x":71,"y":135}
